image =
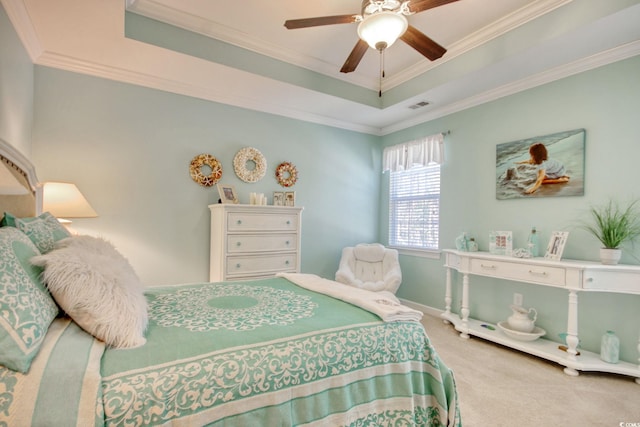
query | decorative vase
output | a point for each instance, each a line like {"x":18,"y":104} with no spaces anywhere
{"x":610,"y":347}
{"x":462,"y":242}
{"x":610,"y":256}
{"x":472,"y":245}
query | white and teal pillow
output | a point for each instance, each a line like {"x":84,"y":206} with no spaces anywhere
{"x":43,"y":230}
{"x":26,"y":307}
{"x":97,"y":287}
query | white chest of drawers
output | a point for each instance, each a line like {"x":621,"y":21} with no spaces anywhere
{"x":251,"y":241}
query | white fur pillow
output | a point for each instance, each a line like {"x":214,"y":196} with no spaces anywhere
{"x":97,"y":287}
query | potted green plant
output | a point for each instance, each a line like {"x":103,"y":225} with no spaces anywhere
{"x":614,"y":225}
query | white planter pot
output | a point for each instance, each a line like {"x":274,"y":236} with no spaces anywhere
{"x":610,"y":256}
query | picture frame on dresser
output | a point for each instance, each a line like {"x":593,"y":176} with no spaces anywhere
{"x":556,"y":245}
{"x":278,"y":198}
{"x":290,"y":198}
{"x":227,"y":193}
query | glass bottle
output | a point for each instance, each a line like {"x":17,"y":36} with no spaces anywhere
{"x":532,"y":243}
{"x":610,"y":347}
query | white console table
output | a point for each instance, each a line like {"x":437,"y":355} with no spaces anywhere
{"x":574,"y":276}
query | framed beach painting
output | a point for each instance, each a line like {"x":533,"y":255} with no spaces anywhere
{"x":542,"y":166}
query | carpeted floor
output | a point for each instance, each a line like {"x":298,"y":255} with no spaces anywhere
{"x":498,"y":386}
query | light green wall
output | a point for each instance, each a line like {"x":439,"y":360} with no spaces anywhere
{"x":605,"y":102}
{"x":16,"y":89}
{"x":128,"y":148}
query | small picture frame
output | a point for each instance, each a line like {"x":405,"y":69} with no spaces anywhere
{"x":227,"y":193}
{"x":501,"y":242}
{"x":290,"y":198}
{"x":278,"y":198}
{"x":556,"y":245}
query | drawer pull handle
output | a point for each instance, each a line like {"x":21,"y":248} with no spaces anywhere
{"x":238,"y":243}
{"x":488,"y":267}
{"x":237,"y":265}
{"x":286,"y":243}
{"x":288,"y":222}
{"x":287,"y":262}
{"x":239,"y":221}
{"x":537,"y":273}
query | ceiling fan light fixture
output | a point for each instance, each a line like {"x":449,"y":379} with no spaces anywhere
{"x":382,"y":29}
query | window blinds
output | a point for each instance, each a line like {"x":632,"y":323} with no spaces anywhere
{"x":414,"y":208}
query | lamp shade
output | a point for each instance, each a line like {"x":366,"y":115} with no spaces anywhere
{"x":64,"y":200}
{"x":9,"y":185}
{"x":382,"y":29}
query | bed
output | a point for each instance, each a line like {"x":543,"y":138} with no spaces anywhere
{"x":292,"y":350}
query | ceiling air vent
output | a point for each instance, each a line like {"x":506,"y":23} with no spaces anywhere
{"x":418,"y":105}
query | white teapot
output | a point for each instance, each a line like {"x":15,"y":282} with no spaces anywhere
{"x":520,"y":319}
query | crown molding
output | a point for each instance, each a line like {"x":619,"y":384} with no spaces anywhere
{"x":19,"y":17}
{"x":67,"y":63}
{"x":98,"y":70}
{"x":585,"y":64}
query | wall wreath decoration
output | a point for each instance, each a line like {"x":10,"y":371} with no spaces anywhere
{"x":286,"y":174}
{"x":211,"y":163}
{"x":245,"y":156}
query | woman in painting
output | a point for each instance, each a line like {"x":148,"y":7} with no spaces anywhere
{"x":549,"y":171}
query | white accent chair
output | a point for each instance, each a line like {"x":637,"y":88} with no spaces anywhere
{"x":370,"y":266}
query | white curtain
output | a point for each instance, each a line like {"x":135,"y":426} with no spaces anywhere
{"x":421,"y":152}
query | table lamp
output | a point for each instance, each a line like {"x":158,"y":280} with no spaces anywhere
{"x":63,"y":200}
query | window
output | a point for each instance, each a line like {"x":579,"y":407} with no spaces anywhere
{"x":414,"y":207}
{"x":414,"y":192}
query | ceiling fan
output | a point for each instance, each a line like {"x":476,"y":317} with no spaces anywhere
{"x":381,"y":23}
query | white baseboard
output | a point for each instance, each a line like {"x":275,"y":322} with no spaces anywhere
{"x":431,"y":311}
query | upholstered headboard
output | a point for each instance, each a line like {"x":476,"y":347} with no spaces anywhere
{"x":20,"y":167}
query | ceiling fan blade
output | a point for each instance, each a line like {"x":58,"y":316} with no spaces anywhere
{"x":293,"y":24}
{"x":422,"y":43}
{"x":421,"y":5}
{"x":355,"y":57}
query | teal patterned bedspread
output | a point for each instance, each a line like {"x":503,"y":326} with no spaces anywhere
{"x":255,"y":353}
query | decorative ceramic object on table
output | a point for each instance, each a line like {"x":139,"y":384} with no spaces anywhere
{"x":521,"y":320}
{"x":462,"y":242}
{"x":472,"y":245}
{"x":610,"y":347}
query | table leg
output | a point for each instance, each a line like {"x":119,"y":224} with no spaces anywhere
{"x":572,"y":332}
{"x":464,"y":310}
{"x":638,"y":379}
{"x":447,"y":298}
